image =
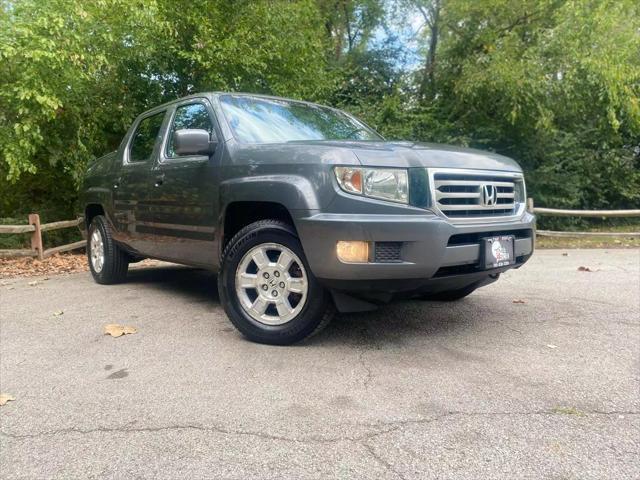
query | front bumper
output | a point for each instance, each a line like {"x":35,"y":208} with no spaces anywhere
{"x":430,"y":247}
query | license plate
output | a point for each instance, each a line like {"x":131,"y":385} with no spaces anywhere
{"x":498,"y":251}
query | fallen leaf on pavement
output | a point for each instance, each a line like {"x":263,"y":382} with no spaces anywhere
{"x":57,"y":313}
{"x":519,"y":300}
{"x":116,"y":330}
{"x":585,"y":269}
{"x":5,"y":397}
{"x":568,"y":411}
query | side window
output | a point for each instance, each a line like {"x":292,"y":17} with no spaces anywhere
{"x":145,"y":137}
{"x":189,"y":116}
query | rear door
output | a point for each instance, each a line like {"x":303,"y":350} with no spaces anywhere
{"x":133,"y":189}
{"x":186,"y":198}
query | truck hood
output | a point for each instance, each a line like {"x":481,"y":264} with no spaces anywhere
{"x":412,"y":154}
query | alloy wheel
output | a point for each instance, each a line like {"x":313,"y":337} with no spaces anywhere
{"x":96,"y":248}
{"x":271,"y":284}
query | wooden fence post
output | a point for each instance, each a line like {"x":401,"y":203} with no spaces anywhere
{"x":36,"y":236}
{"x":530,"y":205}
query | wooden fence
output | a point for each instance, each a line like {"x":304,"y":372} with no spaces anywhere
{"x":583,"y":213}
{"x":37,"y":247}
{"x":36,"y":229}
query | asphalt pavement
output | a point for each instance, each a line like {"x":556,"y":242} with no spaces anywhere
{"x":536,"y":376}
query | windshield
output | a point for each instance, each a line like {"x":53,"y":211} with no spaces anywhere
{"x":267,"y":120}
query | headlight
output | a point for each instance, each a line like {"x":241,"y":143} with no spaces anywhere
{"x":383,"y":183}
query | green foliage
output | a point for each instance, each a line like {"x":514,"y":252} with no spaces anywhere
{"x":349,"y":24}
{"x":553,"y":83}
{"x":74,"y":74}
{"x":556,"y":85}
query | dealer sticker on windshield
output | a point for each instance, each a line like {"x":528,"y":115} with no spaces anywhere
{"x":498,"y":251}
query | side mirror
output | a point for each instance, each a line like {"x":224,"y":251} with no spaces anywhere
{"x":192,"y":141}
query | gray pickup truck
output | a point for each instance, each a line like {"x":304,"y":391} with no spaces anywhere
{"x":301,"y":209}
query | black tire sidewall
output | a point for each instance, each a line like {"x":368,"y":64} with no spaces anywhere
{"x":311,"y":315}
{"x":115,"y":265}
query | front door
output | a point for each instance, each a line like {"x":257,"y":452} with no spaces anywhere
{"x":133,"y":208}
{"x":186,"y":195}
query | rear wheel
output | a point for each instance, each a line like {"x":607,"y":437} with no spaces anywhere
{"x":449,"y":295}
{"x":107,"y":262}
{"x":267,"y":288}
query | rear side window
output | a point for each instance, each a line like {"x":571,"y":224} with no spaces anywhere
{"x":186,"y":117}
{"x":144,"y":139}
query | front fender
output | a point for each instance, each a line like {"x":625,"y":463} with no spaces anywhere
{"x":294,"y":192}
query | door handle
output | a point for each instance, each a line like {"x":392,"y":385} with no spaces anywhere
{"x":159,"y":180}
{"x":116,"y":184}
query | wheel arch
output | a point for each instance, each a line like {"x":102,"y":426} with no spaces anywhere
{"x":91,"y":211}
{"x":248,"y":199}
{"x":239,"y":214}
{"x":97,"y":200}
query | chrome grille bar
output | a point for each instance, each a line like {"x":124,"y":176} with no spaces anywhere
{"x":465,"y":196}
{"x":471,"y":183}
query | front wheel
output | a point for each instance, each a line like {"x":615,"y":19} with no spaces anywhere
{"x":107,"y":261}
{"x":267,"y":288}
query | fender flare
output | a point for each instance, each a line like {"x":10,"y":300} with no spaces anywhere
{"x":98,"y":196}
{"x":294,"y":192}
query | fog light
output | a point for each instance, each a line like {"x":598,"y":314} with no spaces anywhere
{"x":353,"y":252}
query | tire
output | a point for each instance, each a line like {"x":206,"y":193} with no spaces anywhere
{"x":449,"y":295}
{"x":268,"y":302}
{"x":114,"y":265}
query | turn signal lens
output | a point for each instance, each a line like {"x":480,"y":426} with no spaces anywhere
{"x":350,"y":179}
{"x":353,"y":252}
{"x":390,"y":184}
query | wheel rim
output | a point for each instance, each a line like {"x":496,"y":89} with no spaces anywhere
{"x":96,"y":248}
{"x":271,"y":284}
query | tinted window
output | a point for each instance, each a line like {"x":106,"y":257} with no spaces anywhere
{"x":189,"y":116}
{"x":266,"y":120}
{"x":145,"y":138}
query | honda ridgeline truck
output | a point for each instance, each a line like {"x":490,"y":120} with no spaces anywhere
{"x":301,"y":209}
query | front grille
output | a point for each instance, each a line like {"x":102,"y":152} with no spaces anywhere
{"x":388,"y":252}
{"x":469,"y":195}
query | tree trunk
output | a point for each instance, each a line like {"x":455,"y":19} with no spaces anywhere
{"x":431,"y":14}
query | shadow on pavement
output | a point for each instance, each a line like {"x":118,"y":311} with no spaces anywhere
{"x":392,"y":324}
{"x":197,"y":283}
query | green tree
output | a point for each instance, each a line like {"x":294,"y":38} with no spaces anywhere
{"x":74,"y":74}
{"x":552,"y":83}
{"x":350,"y":23}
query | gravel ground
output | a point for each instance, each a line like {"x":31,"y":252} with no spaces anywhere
{"x":481,"y":388}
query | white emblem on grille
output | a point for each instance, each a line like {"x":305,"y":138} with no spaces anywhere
{"x":489,"y":195}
